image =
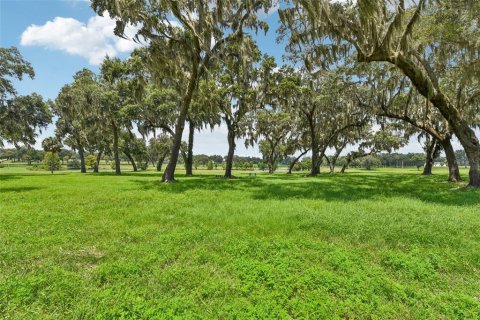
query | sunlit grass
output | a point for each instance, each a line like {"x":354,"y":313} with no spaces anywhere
{"x":387,"y":244}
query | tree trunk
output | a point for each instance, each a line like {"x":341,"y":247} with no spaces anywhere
{"x":315,"y":160}
{"x":333,"y":162}
{"x":328,"y":162}
{"x":431,"y":153}
{"x":315,"y":149}
{"x":427,"y":169}
{"x":132,"y":161}
{"x":189,"y":157}
{"x":453,"y":171}
{"x":116,"y":155}
{"x":160,"y":163}
{"x":271,"y":164}
{"x":345,"y":166}
{"x":97,"y":161}
{"x":231,"y":151}
{"x":272,"y":158}
{"x":290,"y":168}
{"x":169,"y":174}
{"x":81,"y":154}
{"x":270,"y":168}
{"x":474,"y":160}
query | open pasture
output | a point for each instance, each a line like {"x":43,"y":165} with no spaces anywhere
{"x":384,"y":244}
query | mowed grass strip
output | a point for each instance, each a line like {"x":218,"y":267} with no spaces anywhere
{"x":386,"y":244}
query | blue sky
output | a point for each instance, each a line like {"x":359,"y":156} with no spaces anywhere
{"x":61,"y":37}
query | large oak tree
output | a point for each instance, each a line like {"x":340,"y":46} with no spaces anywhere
{"x":428,"y":41}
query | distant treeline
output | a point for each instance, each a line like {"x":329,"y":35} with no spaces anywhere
{"x":31,"y":155}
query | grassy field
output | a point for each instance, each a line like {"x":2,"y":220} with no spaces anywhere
{"x":386,"y":244}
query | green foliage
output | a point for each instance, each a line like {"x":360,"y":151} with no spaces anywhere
{"x":368,"y":162}
{"x":143,"y":165}
{"x":37,"y":167}
{"x":21,"y":116}
{"x":262,"y":166}
{"x":210,"y":165}
{"x":73,"y":164}
{"x":90,"y":161}
{"x":12,"y":65}
{"x":248,"y":165}
{"x":51,"y":144}
{"x":82,"y":122}
{"x":307,"y":164}
{"x":52,"y":161}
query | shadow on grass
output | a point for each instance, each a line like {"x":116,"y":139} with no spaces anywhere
{"x":138,"y":174}
{"x":5,"y":177}
{"x":354,"y":187}
{"x":18,"y":189}
{"x":12,"y":176}
{"x":327,"y":187}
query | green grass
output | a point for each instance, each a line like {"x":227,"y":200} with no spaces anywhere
{"x":386,"y":244}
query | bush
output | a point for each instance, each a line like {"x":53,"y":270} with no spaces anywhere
{"x":262,"y":166}
{"x":90,"y":161}
{"x":297,"y":167}
{"x":52,"y":161}
{"x":37,"y":167}
{"x":210,"y":165}
{"x":143,"y":165}
{"x":368,"y":162}
{"x":73,"y":164}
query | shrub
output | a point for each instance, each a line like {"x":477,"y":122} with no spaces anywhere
{"x":370,"y":162}
{"x":90,"y":161}
{"x":73,"y":164}
{"x":143,"y":165}
{"x":210,"y":165}
{"x":248,"y":165}
{"x":307,"y":164}
{"x":37,"y":167}
{"x":297,"y":166}
{"x":52,"y":161}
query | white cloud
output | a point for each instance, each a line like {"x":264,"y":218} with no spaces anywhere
{"x":93,"y":40}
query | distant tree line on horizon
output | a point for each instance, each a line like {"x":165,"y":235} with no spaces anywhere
{"x":70,"y":159}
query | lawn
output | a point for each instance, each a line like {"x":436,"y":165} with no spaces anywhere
{"x":385,"y":244}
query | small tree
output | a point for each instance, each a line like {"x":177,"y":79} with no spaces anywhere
{"x":52,"y":161}
{"x":370,"y":162}
{"x":210,"y":165}
{"x":91,"y":161}
{"x":261,"y":166}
